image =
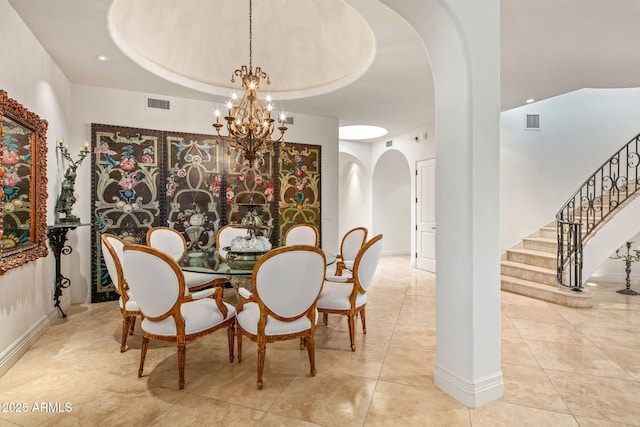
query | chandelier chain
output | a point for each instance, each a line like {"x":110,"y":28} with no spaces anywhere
{"x":250,"y":37}
{"x":249,"y":124}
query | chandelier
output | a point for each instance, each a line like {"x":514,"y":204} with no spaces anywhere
{"x":249,"y":123}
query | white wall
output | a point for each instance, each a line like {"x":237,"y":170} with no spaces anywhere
{"x":29,"y":76}
{"x":392,"y":202}
{"x":107,"y":106}
{"x":354,"y":194}
{"x":541,"y":169}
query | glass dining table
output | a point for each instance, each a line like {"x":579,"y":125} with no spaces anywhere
{"x":208,"y":261}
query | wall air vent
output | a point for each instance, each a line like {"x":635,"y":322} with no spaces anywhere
{"x":532,"y":121}
{"x":389,"y":143}
{"x":158,"y":104}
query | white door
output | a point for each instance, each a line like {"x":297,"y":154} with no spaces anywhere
{"x":426,"y":215}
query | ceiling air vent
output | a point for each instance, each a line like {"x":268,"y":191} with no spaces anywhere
{"x":532,"y":121}
{"x":389,"y":143}
{"x":288,"y":120}
{"x":159,"y":104}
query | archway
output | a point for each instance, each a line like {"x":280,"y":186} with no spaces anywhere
{"x":462,"y":38}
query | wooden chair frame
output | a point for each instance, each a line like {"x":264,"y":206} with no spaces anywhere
{"x":181,"y":338}
{"x":307,"y":337}
{"x":128,"y":316}
{"x":357,"y":288}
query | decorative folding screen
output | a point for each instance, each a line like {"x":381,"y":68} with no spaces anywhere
{"x":299,"y":187}
{"x":145,"y":178}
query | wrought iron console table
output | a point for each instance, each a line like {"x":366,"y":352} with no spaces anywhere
{"x":57,"y":235}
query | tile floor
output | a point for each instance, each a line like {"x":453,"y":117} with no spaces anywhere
{"x":561,"y":367}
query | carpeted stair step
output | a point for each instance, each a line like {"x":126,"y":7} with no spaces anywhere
{"x":555,"y":295}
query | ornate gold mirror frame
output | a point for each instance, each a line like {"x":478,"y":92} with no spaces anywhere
{"x":23,"y":185}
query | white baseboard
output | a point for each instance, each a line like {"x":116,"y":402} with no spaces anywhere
{"x":471,"y":394}
{"x":16,"y":350}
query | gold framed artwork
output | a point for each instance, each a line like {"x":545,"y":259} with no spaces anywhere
{"x":23,"y":190}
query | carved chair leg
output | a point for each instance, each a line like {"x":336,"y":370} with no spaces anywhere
{"x":239,"y":346}
{"x":231,"y":331}
{"x":325,"y":319}
{"x":311,"y":350}
{"x":143,"y":354}
{"x":182,"y":350}
{"x":351,"y":322}
{"x":126,"y":322}
{"x":133,"y":325}
{"x":303,"y":343}
{"x":364,"y":322}
{"x":262,"y":348}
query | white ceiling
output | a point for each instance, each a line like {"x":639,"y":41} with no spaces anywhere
{"x":549,"y":47}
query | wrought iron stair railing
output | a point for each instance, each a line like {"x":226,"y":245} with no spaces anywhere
{"x":602,"y":193}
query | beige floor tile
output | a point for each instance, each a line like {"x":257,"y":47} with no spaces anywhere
{"x":558,"y":363}
{"x":530,"y":386}
{"x":516,"y":352}
{"x":404,"y":405}
{"x":364,"y":362}
{"x":560,"y":332}
{"x":601,"y":398}
{"x":619,"y":338}
{"x":627,"y":359}
{"x":584,"y":359}
{"x":326,"y":399}
{"x":591,"y":422}
{"x":409,"y":367}
{"x":197,"y":410}
{"x":537,"y":312}
{"x":503,"y":414}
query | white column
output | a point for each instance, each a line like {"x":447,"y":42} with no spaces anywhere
{"x":462,"y":38}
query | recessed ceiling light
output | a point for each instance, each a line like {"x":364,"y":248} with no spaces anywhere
{"x":530,"y":100}
{"x":359,"y":132}
{"x":102,"y":58}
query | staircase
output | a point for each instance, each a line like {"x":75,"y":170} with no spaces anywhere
{"x":536,"y":265}
{"x":530,"y":269}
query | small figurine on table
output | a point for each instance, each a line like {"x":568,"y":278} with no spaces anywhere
{"x":67,"y":198}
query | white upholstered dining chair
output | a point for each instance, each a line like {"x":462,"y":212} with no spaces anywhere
{"x":347,"y":296}
{"x":286,"y":282}
{"x":112,"y":253}
{"x":224,"y":236}
{"x":301,"y":234}
{"x":169,"y":312}
{"x":351,"y":243}
{"x":173,"y":243}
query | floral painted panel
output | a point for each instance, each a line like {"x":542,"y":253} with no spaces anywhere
{"x":193,"y":187}
{"x":299,"y":186}
{"x":145,"y":178}
{"x":250,"y":184}
{"x":16,"y":184}
{"x":126,"y":193}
